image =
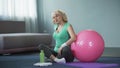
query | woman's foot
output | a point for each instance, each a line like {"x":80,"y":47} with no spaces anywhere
{"x":62,"y":60}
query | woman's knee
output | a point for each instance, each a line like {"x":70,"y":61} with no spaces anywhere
{"x":41,"y":46}
{"x":66,"y":49}
{"x":66,"y":52}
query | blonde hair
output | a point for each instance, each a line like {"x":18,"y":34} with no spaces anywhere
{"x":62,"y":13}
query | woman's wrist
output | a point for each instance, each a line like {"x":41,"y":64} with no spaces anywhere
{"x":63,"y":45}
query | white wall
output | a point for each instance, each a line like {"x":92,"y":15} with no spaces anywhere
{"x":100,"y":15}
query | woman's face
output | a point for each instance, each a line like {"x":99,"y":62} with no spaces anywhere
{"x":57,"y":18}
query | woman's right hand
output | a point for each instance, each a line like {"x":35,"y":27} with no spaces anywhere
{"x":60,"y":49}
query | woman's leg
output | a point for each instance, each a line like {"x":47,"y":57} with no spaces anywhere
{"x":67,"y":54}
{"x":49,"y":53}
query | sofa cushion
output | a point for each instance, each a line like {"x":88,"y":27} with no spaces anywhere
{"x":23,"y":40}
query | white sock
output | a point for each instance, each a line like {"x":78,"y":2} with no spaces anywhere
{"x":62,"y":60}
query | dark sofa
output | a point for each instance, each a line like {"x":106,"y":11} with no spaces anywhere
{"x":13,"y":38}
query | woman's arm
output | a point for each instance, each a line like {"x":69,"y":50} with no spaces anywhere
{"x":71,"y":40}
{"x":72,"y":35}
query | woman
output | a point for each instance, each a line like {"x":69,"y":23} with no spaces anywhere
{"x":64,"y":35}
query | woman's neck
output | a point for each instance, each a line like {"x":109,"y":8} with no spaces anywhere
{"x":61,"y":23}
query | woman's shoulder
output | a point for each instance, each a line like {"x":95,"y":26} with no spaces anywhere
{"x":68,"y":24}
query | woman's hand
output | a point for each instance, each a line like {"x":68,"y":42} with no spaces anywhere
{"x":60,"y":49}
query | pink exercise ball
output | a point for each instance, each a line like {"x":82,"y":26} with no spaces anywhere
{"x":88,"y":47}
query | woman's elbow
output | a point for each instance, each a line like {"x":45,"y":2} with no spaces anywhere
{"x":74,"y":38}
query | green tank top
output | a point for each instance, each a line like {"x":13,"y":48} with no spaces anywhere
{"x":60,"y":37}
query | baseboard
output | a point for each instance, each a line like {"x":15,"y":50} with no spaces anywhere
{"x":111,"y":52}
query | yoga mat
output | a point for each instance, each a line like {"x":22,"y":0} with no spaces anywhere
{"x":93,"y":65}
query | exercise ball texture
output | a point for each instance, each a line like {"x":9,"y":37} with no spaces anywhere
{"x":88,"y":47}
